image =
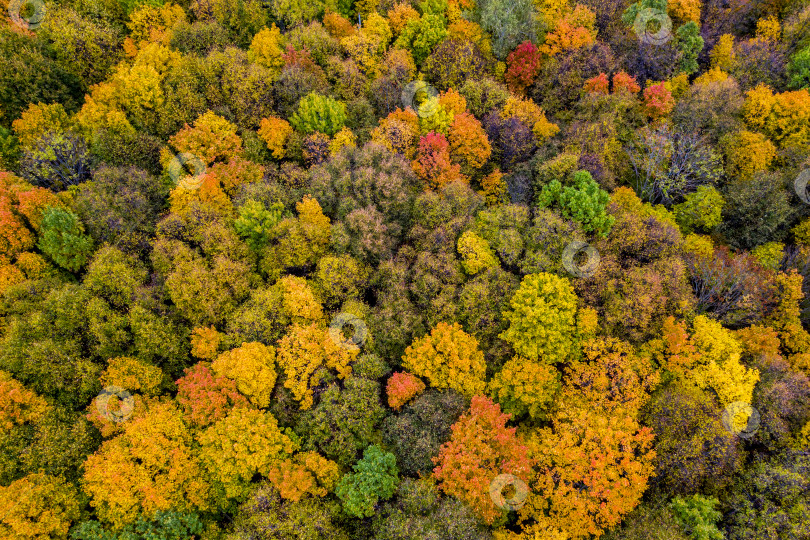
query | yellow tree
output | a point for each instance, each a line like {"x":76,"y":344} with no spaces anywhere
{"x":252,"y":366}
{"x":306,"y":353}
{"x":234,"y":449}
{"x":38,"y":507}
{"x":448,"y":357}
{"x":149,"y":467}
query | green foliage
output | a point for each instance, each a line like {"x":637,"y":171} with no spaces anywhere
{"x":421,"y":35}
{"x":319,"y":113}
{"x":165,"y":525}
{"x":629,"y":15}
{"x":689,"y":42}
{"x":62,"y":239}
{"x":509,"y":21}
{"x":375,"y":477}
{"x":344,"y":420}
{"x":698,"y":516}
{"x":256,"y":222}
{"x":584,"y":202}
{"x":701,"y":210}
{"x":799,"y":69}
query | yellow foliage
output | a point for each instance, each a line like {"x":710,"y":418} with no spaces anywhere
{"x":275,"y":132}
{"x":494,"y":188}
{"x":267,"y":49}
{"x":714,"y":74}
{"x":576,"y":29}
{"x":464,"y":29}
{"x":212,"y":138}
{"x":205,"y":342}
{"x":342,"y":138}
{"x":18,"y":405}
{"x":39,"y":119}
{"x":531,"y":114}
{"x":784,"y":117}
{"x":747,"y":153}
{"x":523,"y":386}
{"x":699,"y":244}
{"x":152,"y":24}
{"x":476,"y":255}
{"x":685,"y":10}
{"x":769,"y":29}
{"x":133,"y":375}
{"x":149,"y":467}
{"x":399,"y":15}
{"x":723,"y":53}
{"x":305,"y":352}
{"x":244,"y":443}
{"x":38,"y":507}
{"x":710,"y":358}
{"x":252,"y":366}
{"x":449,"y":358}
{"x":785,"y":318}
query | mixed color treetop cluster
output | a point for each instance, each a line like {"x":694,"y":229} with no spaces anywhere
{"x":295,"y":270}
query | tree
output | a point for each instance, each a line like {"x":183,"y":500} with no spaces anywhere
{"x":420,"y":511}
{"x":432,"y":162}
{"x":150,"y":467}
{"x":307,"y":473}
{"x":541,"y":317}
{"x":476,"y":255}
{"x":468,"y":142}
{"x":480,"y":448}
{"x":401,"y":388}
{"x":416,"y":434}
{"x":269,"y":312}
{"x":256,"y":222}
{"x":62,"y":239}
{"x":265,"y":513}
{"x":585,"y":202}
{"x":524,"y":64}
{"x":449,"y":358}
{"x":38,"y":507}
{"x":523,"y":386}
{"x":319,"y":113}
{"x":344,"y":420}
{"x":592,"y":470}
{"x":305,"y":354}
{"x":421,"y":35}
{"x":509,"y":23}
{"x":244,"y":443}
{"x":252,"y":366}
{"x":694,"y":452}
{"x":375,"y":477}
{"x":168,"y":525}
{"x":205,"y":397}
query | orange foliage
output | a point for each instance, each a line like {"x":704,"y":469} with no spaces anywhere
{"x":469,"y":144}
{"x":205,"y":343}
{"x":624,"y":83}
{"x":480,"y":448}
{"x":401,"y":388}
{"x":18,"y":405}
{"x":658,"y":101}
{"x":206,"y":398}
{"x":433,"y":164}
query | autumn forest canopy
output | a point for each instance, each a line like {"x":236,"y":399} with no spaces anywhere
{"x":404,"y":269}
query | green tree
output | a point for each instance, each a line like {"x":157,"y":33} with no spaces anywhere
{"x":62,"y":239}
{"x":421,"y":35}
{"x":256,"y":222}
{"x":375,"y":477}
{"x":509,"y":22}
{"x":585,"y":202}
{"x":689,"y":42}
{"x":319,"y":113}
{"x":698,"y":516}
{"x":799,"y":69}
